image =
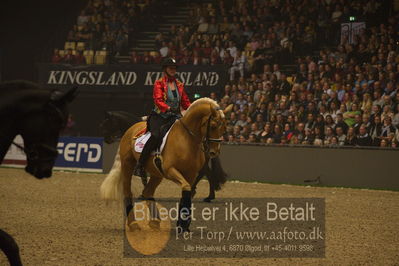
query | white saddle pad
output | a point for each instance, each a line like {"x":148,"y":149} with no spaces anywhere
{"x":141,"y":141}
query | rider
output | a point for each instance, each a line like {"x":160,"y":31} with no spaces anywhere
{"x":169,"y":95}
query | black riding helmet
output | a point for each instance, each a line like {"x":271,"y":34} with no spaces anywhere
{"x":168,"y":61}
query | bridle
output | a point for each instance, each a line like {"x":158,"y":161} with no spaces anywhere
{"x":206,"y":140}
{"x":33,"y":151}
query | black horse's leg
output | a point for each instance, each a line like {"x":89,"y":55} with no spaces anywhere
{"x":200,"y":175}
{"x":207,"y":171}
{"x":10,"y":248}
{"x":211,"y":195}
{"x":184,"y":220}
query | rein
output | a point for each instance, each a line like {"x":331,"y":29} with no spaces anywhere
{"x":33,"y":153}
{"x":188,"y":130}
{"x":18,"y":146}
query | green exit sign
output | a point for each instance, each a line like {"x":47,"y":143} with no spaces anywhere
{"x":352,"y":18}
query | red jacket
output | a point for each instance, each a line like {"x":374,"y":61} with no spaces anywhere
{"x":160,"y":94}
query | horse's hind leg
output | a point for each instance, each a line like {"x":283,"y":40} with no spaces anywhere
{"x":149,"y":189}
{"x":10,"y":248}
{"x":127,"y":162}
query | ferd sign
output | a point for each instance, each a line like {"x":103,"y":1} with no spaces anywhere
{"x":80,"y":153}
{"x":74,"y":153}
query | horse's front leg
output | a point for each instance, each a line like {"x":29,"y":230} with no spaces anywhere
{"x":127,"y":165}
{"x":184,"y":219}
{"x":10,"y":248}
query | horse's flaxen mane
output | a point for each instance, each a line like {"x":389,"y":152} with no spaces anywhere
{"x":202,"y":101}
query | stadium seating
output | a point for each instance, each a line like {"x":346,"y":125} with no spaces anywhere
{"x":100,"y":57}
{"x":89,"y":56}
{"x":321,"y":70}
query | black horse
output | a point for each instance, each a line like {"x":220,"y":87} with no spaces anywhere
{"x":117,"y":122}
{"x":38,"y":116}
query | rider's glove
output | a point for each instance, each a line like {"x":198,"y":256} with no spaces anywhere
{"x":175,"y":110}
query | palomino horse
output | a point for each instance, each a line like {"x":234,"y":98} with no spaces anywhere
{"x":38,"y":116}
{"x":198,"y":132}
{"x":115,"y":125}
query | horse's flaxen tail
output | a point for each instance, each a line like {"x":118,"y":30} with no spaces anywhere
{"x":111,"y":188}
{"x":218,"y":175}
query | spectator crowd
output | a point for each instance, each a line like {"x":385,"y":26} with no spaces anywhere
{"x":346,"y":94}
{"x":337,"y":92}
{"x":108,"y":25}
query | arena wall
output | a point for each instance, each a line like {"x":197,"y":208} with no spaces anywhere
{"x":340,"y":167}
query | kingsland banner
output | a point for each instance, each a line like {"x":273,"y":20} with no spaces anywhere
{"x":130,"y":77}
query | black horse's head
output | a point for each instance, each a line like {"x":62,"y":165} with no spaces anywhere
{"x":115,"y":125}
{"x":40,"y":128}
{"x":110,"y":128}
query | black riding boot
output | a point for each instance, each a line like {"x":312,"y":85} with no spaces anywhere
{"x":148,"y":148}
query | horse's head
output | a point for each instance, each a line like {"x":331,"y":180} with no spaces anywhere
{"x":115,"y":125}
{"x":109,"y":128}
{"x":216,"y":127}
{"x":40,"y":129}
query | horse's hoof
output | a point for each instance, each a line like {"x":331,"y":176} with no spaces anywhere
{"x":155,"y":224}
{"x":180,"y":229}
{"x":134,"y":226}
{"x":208,"y":199}
{"x":130,"y":218}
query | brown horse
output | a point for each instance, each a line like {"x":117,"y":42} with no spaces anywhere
{"x":115,"y":125}
{"x":196,"y":134}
